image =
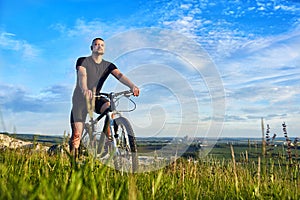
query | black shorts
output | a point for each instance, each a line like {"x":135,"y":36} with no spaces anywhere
{"x":79,"y":110}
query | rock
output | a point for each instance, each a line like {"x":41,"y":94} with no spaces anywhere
{"x":7,"y":142}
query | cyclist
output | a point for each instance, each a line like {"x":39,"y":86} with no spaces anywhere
{"x":92,"y":71}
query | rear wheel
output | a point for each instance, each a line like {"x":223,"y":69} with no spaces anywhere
{"x":127,"y":159}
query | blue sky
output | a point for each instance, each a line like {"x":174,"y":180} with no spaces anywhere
{"x":251,"y":48}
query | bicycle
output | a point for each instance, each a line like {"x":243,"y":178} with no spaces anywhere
{"x":123,"y":148}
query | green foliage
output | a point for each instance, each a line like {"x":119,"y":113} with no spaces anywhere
{"x":27,"y":175}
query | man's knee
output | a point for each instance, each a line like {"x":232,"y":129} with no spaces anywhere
{"x":77,"y":129}
{"x":105,"y":106}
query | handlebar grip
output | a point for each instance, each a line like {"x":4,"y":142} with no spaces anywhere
{"x":125,"y":93}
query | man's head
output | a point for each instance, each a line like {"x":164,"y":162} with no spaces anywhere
{"x":98,"y":46}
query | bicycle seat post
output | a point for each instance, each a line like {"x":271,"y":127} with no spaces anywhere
{"x":112,"y":103}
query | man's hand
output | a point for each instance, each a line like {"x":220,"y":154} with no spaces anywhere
{"x":88,"y":93}
{"x":136,"y":91}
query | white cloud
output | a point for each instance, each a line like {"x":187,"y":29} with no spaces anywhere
{"x":89,"y":29}
{"x":261,"y":77}
{"x":37,"y":123}
{"x":287,"y":8}
{"x":185,"y":6}
{"x":19,"y":99}
{"x":8,"y":42}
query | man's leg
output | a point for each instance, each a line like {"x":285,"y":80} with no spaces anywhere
{"x":77,"y":120}
{"x":101,"y":105}
{"x":77,"y":129}
{"x":106,"y":122}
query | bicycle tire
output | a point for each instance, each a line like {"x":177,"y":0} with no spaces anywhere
{"x":88,"y":145}
{"x":85,"y":142}
{"x":122,"y":128}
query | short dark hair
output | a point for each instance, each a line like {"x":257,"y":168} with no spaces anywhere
{"x":98,"y":38}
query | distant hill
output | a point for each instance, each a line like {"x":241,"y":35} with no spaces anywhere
{"x":44,"y":139}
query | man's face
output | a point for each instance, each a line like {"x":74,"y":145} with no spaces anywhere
{"x":98,"y":47}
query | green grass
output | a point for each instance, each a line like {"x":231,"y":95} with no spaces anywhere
{"x":26,"y":175}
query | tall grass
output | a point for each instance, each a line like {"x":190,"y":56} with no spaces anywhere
{"x":39,"y":176}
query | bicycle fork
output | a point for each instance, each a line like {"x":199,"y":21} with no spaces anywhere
{"x":111,"y":116}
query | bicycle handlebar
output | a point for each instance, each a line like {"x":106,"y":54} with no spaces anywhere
{"x":114,"y":97}
{"x":126,"y":93}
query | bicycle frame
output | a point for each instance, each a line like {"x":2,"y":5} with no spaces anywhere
{"x":123,"y":148}
{"x":110,"y":115}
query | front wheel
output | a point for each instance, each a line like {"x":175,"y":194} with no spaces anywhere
{"x":127,"y":158}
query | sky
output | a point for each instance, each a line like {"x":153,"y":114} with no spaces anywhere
{"x":205,"y":68}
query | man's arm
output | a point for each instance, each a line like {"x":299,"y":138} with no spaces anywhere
{"x":123,"y":79}
{"x":82,"y":77}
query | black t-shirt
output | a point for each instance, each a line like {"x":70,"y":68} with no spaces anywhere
{"x":96,"y":74}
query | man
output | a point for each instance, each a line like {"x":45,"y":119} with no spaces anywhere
{"x":92,"y":71}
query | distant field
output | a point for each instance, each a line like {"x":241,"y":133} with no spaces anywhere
{"x":250,"y":147}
